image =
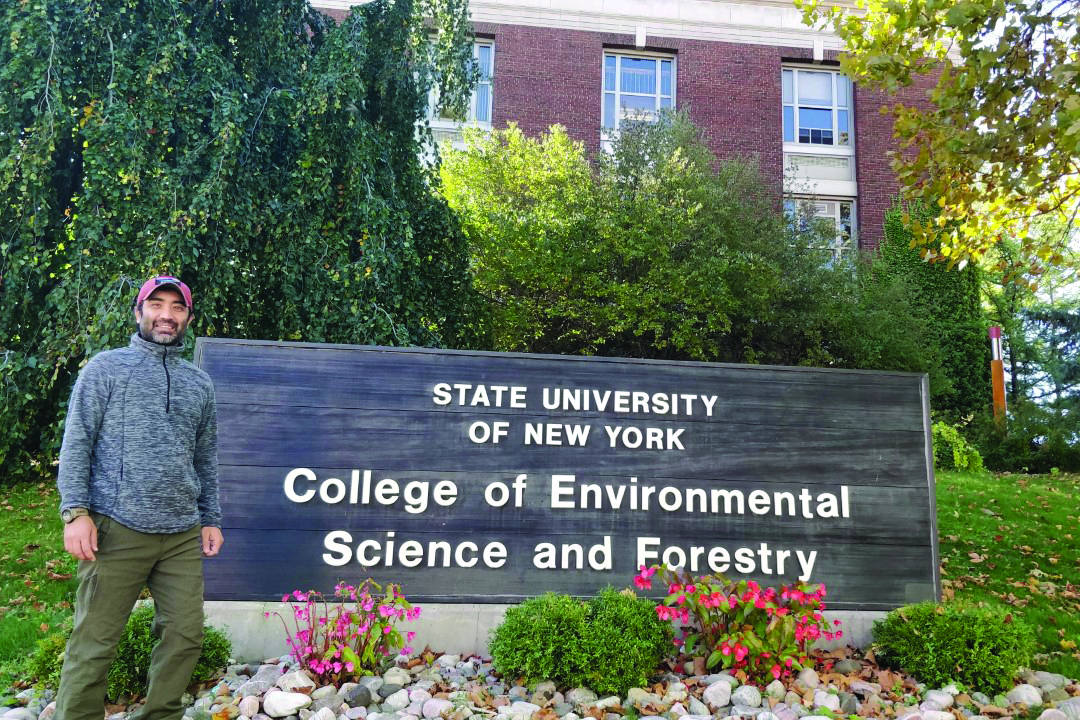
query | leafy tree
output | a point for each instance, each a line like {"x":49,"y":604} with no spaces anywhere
{"x":661,"y":251}
{"x":262,"y":153}
{"x":998,"y":144}
{"x":1041,"y":343}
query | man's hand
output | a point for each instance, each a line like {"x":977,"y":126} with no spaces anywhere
{"x":211,"y":541}
{"x":80,"y":538}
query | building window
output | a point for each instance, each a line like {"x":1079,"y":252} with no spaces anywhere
{"x":817,"y":107}
{"x":834,"y":219}
{"x":819,"y":133}
{"x":480,"y":104}
{"x":636,"y":88}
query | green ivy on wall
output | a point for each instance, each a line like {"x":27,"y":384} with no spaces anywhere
{"x":950,"y":301}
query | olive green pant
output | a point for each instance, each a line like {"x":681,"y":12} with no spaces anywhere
{"x":171,"y":566}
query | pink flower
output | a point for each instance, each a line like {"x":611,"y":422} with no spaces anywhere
{"x":776,"y":672}
{"x":642,"y":582}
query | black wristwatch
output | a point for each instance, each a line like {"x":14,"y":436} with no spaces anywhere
{"x":71,"y":513}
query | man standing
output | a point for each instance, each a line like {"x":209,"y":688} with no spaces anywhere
{"x":139,"y":501}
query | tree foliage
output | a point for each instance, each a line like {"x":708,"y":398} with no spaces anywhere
{"x":1041,"y":344}
{"x":262,"y":153}
{"x":661,"y":251}
{"x":998,"y":144}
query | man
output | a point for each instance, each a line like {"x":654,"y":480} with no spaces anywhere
{"x":139,"y":501}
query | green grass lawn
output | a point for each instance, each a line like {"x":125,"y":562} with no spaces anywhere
{"x":37,"y":586}
{"x":1010,"y":541}
{"x":1013,"y":541}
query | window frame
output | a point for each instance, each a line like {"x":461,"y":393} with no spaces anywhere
{"x":607,"y":134}
{"x":444,"y":123}
{"x":834,"y":109}
{"x":839,"y":247}
{"x":800,"y":184}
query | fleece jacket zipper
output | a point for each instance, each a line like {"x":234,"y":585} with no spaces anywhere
{"x":168,"y":381}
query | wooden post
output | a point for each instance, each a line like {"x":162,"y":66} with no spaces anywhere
{"x":997,"y":374}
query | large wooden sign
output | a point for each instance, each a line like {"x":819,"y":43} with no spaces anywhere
{"x":490,"y":477}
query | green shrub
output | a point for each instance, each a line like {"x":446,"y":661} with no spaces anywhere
{"x":610,"y":643}
{"x":625,"y":641}
{"x":47,"y":660}
{"x":541,"y":639}
{"x":952,"y":450}
{"x":1035,"y":439}
{"x":937,"y":644}
{"x":127,"y":676}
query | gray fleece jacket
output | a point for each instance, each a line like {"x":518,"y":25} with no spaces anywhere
{"x":140,"y":440}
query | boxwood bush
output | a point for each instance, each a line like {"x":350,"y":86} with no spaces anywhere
{"x":980,"y":647}
{"x":609,"y":643}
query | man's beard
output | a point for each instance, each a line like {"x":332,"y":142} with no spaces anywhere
{"x":162,"y":335}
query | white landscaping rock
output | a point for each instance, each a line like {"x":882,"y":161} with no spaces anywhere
{"x":809,"y":678}
{"x":717,"y":695}
{"x":1052,"y":714}
{"x":523,"y":709}
{"x":1027,"y":694}
{"x":249,"y":706}
{"x":437,"y":707}
{"x":282,"y":704}
{"x":937,"y":715}
{"x":1070,"y":707}
{"x":942,"y":698}
{"x":296,"y":682}
{"x":823,"y":699}
{"x":397,"y":701}
{"x":747,"y":695}
{"x":580,"y":696}
{"x":396,"y":676}
{"x":324,"y":714}
{"x":19,"y":714}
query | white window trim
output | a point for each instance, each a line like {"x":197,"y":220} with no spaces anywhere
{"x":808,"y":148}
{"x":438,"y":123}
{"x":824,"y":189}
{"x":607,"y":135}
{"x":853,"y":241}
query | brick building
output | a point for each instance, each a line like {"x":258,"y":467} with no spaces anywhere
{"x":756,"y":79}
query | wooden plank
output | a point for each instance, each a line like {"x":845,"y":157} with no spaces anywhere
{"x":412,"y":440}
{"x":322,"y":378}
{"x":254,"y":493}
{"x":264,"y":565}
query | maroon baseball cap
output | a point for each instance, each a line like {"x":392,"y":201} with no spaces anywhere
{"x":164,"y":280}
